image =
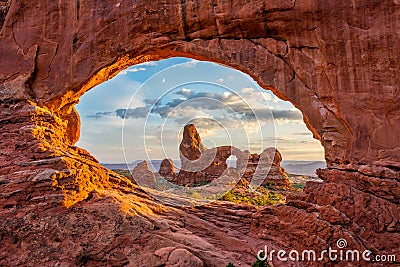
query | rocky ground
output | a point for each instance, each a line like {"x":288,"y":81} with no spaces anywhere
{"x":299,"y":181}
{"x":268,"y":194}
{"x":119,"y":225}
{"x":336,"y":61}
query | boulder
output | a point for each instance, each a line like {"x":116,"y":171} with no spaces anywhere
{"x":167,"y":169}
{"x":271,"y":158}
{"x":143,"y":176}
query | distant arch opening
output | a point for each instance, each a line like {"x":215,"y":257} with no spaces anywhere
{"x":232,"y":161}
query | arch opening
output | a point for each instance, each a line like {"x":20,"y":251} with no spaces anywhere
{"x":137,"y":97}
{"x":320,"y":114}
{"x":308,"y":54}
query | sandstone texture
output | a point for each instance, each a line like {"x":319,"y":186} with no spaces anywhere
{"x":271,"y":159}
{"x":336,"y":61}
{"x":201,"y":165}
{"x":191,"y":146}
{"x":167,"y":169}
{"x":143,"y":176}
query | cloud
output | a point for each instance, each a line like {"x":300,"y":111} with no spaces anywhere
{"x":253,"y":93}
{"x":139,"y":67}
{"x":135,"y":69}
{"x":136,"y":113}
{"x":226,"y":107}
{"x":286,"y":140}
{"x":247,"y":90}
{"x":206,"y":99}
{"x":190,"y":64}
{"x":149,"y":63}
{"x":99,"y":115}
{"x":291,"y":115}
{"x":303,"y":133}
{"x":184,"y":92}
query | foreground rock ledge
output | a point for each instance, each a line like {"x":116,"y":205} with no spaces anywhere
{"x":337,"y":61}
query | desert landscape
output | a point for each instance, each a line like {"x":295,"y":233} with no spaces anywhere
{"x":336,"y":62}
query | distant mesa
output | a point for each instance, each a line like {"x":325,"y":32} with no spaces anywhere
{"x":201,"y":165}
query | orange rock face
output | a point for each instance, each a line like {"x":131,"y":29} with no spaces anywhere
{"x":191,"y":146}
{"x":337,"y":61}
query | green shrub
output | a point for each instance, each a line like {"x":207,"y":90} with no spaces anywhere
{"x":299,"y":186}
{"x":269,"y":184}
{"x":263,"y":198}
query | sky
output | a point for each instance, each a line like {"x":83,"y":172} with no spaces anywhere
{"x":140,"y":113}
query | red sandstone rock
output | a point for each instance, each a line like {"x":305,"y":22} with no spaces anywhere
{"x":264,"y":168}
{"x":276,"y":174}
{"x":337,"y":61}
{"x":143,"y":175}
{"x":210,"y":164}
{"x":182,"y":257}
{"x":191,"y":146}
{"x":167,"y":169}
{"x":248,"y":163}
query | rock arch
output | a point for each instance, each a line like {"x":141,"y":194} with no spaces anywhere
{"x":335,"y":61}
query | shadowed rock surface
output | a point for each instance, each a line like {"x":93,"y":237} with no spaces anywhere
{"x":337,"y":61}
{"x":167,"y":169}
{"x":271,"y":159}
{"x":143,"y":176}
